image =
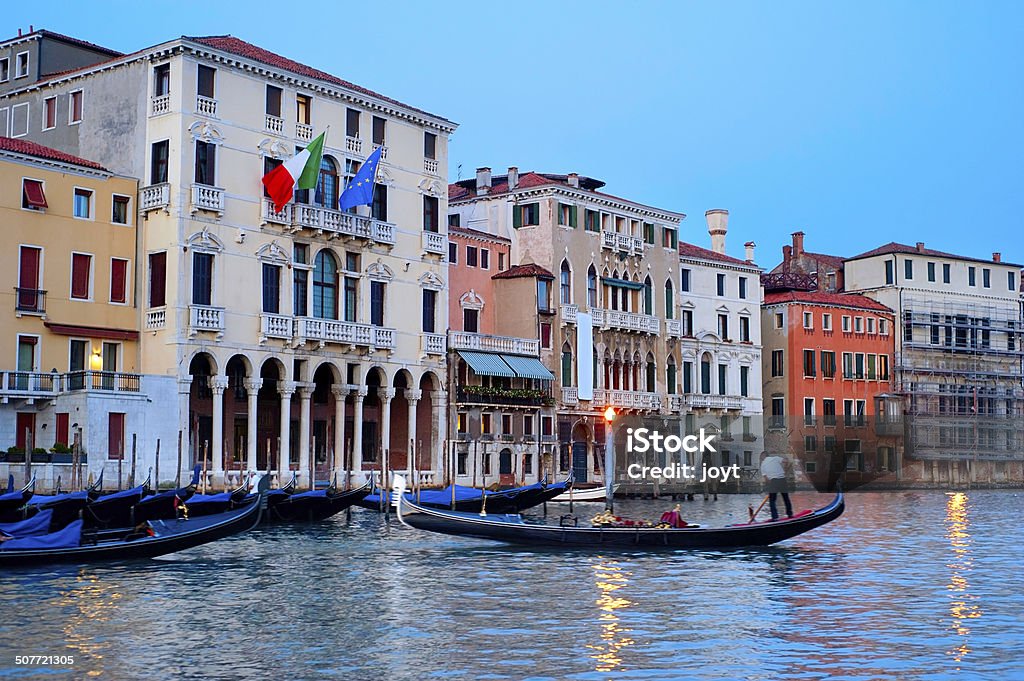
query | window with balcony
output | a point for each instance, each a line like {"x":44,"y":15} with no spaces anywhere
{"x":687,"y":377}
{"x":526,"y":215}
{"x":30,"y":297}
{"x":271,"y":288}
{"x":565,"y":283}
{"x":650,"y":375}
{"x":429,"y":311}
{"x":429,"y":145}
{"x":648,"y":297}
{"x":157,"y":279}
{"x":723,"y":375}
{"x":273,"y":101}
{"x":326,"y":193}
{"x":161,"y":80}
{"x":378,"y":291}
{"x":206,"y":163}
{"x":352,"y":123}
{"x":430,"y":214}
{"x":303,"y":109}
{"x":351,"y":298}
{"x":379,"y":127}
{"x":592,"y":287}
{"x":705,"y":374}
{"x":300,"y":280}
{"x":778,"y":365}
{"x":205,"y":81}
{"x":202,"y":278}
{"x":566,"y":366}
{"x":670,"y":376}
{"x":470,"y":320}
{"x":379,"y":207}
{"x":118,"y":280}
{"x":325,"y":285}
{"x":158,"y":162}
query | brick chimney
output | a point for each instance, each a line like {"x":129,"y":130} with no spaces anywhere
{"x":798,"y":243}
{"x":787,"y":256}
{"x":573,"y":179}
{"x":718,"y":225}
{"x":513,"y":177}
{"x":483,"y":181}
{"x":919,"y":246}
{"x":749,"y":246}
{"x":997,"y":256}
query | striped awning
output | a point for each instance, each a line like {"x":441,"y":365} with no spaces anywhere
{"x":622,"y":283}
{"x":485,"y":364}
{"x":528,"y":367}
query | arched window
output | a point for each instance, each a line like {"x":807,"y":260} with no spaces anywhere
{"x":592,"y":287}
{"x":325,"y":286}
{"x":565,"y":283}
{"x":326,"y":195}
{"x":670,"y":305}
{"x":648,"y":298}
{"x":670,"y":376}
{"x":566,"y":365}
{"x":651,"y":374}
{"x":705,"y":374}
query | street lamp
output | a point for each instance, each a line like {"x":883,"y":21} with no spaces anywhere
{"x":609,"y":459}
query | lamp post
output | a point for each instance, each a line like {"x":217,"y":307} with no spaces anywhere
{"x":609,"y":459}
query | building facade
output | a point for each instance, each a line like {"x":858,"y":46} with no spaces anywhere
{"x":71,"y":321}
{"x":298,"y":339}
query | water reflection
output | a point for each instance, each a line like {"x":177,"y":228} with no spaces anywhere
{"x":960,"y":607}
{"x":610,"y":578}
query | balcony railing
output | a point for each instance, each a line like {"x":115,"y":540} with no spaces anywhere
{"x":303,"y":132}
{"x":333,"y":221}
{"x":206,"y":106}
{"x":281,"y":217}
{"x":155,"y":196}
{"x":114,"y":381}
{"x":274,"y":124}
{"x":205,"y":197}
{"x":30,"y":300}
{"x":205,"y":318}
{"x":28,"y":384}
{"x":627,"y":321}
{"x":275,"y":326}
{"x":159,"y":105}
{"x":515,"y":397}
{"x":430,"y":166}
{"x":674,"y":327}
{"x":156,"y":319}
{"x":435,"y":243}
{"x":435,"y":343}
{"x":628,"y":399}
{"x":570,"y":395}
{"x":623,"y":243}
{"x":348,"y":333}
{"x":698,"y":401}
{"x":34,"y":385}
{"x":569,"y":313}
{"x":383,"y":152}
{"x":461,"y":340}
{"x":354,"y":145}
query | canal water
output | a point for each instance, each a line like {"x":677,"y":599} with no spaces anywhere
{"x":907,"y":585}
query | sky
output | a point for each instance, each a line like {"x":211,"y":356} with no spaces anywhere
{"x":858,"y":123}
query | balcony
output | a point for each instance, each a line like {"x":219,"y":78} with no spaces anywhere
{"x":383,"y":152}
{"x":156,"y":319}
{"x":354,"y":145}
{"x":461,"y":340}
{"x":430,"y":166}
{"x":303,"y":132}
{"x":111,"y":381}
{"x":512,"y":397}
{"x":622,"y":243}
{"x":570,"y":396}
{"x":205,"y":318}
{"x":206,"y":106}
{"x":275,"y":326}
{"x":274,"y":124}
{"x":333,"y":222}
{"x":569,"y":313}
{"x":434,"y":343}
{"x":28,"y":385}
{"x":31,"y":300}
{"x":435,"y":243}
{"x":626,"y":321}
{"x":628,"y":399}
{"x":696,"y":401}
{"x":889,"y":426}
{"x":282,"y":217}
{"x":208,"y":198}
{"x":159,"y":105}
{"x":155,"y":196}
{"x":34,"y":385}
{"x":345,"y":333}
{"x":674,"y":328}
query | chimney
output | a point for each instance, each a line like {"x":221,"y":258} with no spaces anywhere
{"x":19,"y":32}
{"x":997,"y":257}
{"x":718,"y":225}
{"x":787,"y":256}
{"x":513,"y":177}
{"x":573,"y":180}
{"x":798,"y":243}
{"x":483,"y":181}
{"x":31,"y":28}
{"x":750,"y":250}
{"x":920,"y":246}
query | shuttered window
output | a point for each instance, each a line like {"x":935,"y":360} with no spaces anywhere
{"x":377,"y":303}
{"x":81,"y":264}
{"x":32,"y":194}
{"x":271,"y":288}
{"x":202,"y":278}
{"x":118,"y":280}
{"x":157,"y":279}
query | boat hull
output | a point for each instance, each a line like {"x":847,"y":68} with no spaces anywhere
{"x":306,"y":507}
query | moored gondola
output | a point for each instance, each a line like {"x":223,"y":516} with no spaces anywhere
{"x":514,"y":530}
{"x":164,"y":505}
{"x":115,"y":509}
{"x":206,"y":504}
{"x":13,"y":501}
{"x":474,"y":500}
{"x":315,"y":504}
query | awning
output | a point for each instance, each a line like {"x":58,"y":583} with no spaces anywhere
{"x":92,"y":331}
{"x":622,"y":283}
{"x":486,"y":364}
{"x":528,"y":367}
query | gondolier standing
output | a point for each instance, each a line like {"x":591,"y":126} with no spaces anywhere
{"x":773,"y":470}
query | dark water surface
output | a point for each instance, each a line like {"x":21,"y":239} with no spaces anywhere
{"x":911,"y":585}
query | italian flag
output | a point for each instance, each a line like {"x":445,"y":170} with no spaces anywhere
{"x":301,"y":171}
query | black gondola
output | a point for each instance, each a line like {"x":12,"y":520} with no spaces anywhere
{"x":206,"y":504}
{"x":115,"y":509}
{"x":514,"y":530}
{"x":12,"y":502}
{"x":314,"y":505}
{"x":473,"y":500}
{"x":73,"y":544}
{"x":164,"y":505}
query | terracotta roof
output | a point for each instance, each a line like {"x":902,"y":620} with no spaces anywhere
{"x":835,"y":261}
{"x":68,"y":39}
{"x":823,"y":298}
{"x":693,"y":251}
{"x":894,"y":247}
{"x":519,"y":271}
{"x":466,"y":231}
{"x":237,"y":46}
{"x":26,"y":148}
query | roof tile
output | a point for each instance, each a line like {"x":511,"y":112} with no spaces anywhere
{"x":20,"y":146}
{"x":518,"y":271}
{"x":823,"y":298}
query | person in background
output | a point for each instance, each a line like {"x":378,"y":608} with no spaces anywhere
{"x":773,"y":470}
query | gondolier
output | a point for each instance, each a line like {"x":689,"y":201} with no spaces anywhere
{"x":773,"y":470}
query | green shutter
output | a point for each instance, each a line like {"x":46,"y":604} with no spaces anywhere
{"x":572,"y":217}
{"x":517,"y":217}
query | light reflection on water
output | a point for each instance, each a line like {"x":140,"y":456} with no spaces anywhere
{"x":916,"y":585}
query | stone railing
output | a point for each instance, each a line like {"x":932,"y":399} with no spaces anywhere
{"x":434,"y":242}
{"x":461,"y":340}
{"x":155,"y":196}
{"x":282,"y":217}
{"x":113,"y":381}
{"x":205,"y":318}
{"x":628,"y":399}
{"x":327,"y":220}
{"x":156,"y":318}
{"x":383,"y":153}
{"x":627,"y":321}
{"x":275,"y":326}
{"x":159,"y":105}
{"x":430,"y":166}
{"x":303,"y":132}
{"x":570,"y":395}
{"x":27,"y":384}
{"x":205,"y":197}
{"x":348,"y":333}
{"x":434,"y":343}
{"x":674,"y":327}
{"x":624,"y":243}
{"x":205,"y":106}
{"x":569,"y":313}
{"x":698,"y":401}
{"x":354,"y":145}
{"x":274,"y":124}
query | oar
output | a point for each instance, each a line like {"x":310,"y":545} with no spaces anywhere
{"x":753,"y":513}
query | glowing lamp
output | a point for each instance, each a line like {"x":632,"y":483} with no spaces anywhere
{"x":609,"y":414}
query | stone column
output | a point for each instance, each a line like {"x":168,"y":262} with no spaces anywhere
{"x":385,"y":395}
{"x":439,"y":400}
{"x":340,"y":393}
{"x":252,"y":388}
{"x":218,"y":384}
{"x":184,"y":393}
{"x":286,"y":390}
{"x":412,"y":397}
{"x":357,"y":428}
{"x":306,"y":459}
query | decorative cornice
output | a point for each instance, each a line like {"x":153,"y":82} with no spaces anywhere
{"x":273,"y":252}
{"x":205,"y":241}
{"x":432,"y":281}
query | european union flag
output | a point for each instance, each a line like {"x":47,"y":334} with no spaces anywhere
{"x":359,"y":191}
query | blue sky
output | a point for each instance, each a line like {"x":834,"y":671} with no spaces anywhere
{"x":859,"y":123}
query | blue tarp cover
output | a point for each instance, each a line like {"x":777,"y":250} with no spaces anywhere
{"x":37,"y":524}
{"x":40,"y":499}
{"x":209,"y":498}
{"x":137,"y":491}
{"x":12,"y":496}
{"x":312,"y":493}
{"x":69,"y":537}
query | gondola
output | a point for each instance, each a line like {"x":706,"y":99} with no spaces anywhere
{"x":163,"y":505}
{"x":514,"y":530}
{"x":75,"y":544}
{"x":206,"y":504}
{"x":115,"y":509}
{"x":315,"y":504}
{"x":473,"y":500}
{"x":63,"y":507}
{"x":12,"y":501}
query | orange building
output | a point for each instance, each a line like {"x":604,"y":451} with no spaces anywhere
{"x":473,"y":258}
{"x":827,"y":365}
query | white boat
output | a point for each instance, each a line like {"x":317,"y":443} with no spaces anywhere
{"x":585,"y":494}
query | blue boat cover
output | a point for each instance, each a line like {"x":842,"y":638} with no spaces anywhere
{"x":69,"y":537}
{"x":221,"y":498}
{"x":37,"y":524}
{"x":134,"y":491}
{"x":312,"y":493}
{"x":169,"y":494}
{"x":11,"y":496}
{"x":40,"y":499}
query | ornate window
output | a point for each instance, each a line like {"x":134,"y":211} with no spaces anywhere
{"x":325,"y":286}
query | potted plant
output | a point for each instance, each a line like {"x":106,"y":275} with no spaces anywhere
{"x":15,"y":454}
{"x":61,"y":453}
{"x":40,"y":455}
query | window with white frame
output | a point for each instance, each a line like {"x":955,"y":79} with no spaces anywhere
{"x":871,"y":324}
{"x":21,"y":65}
{"x":846,"y":323}
{"x":858,"y":325}
{"x":75,"y":107}
{"x":808,"y":320}
{"x":883,"y":327}
{"x":5,"y":69}
{"x":83,"y":203}
{"x":826,"y":322}
{"x":49,"y":113}
{"x":119,"y":206}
